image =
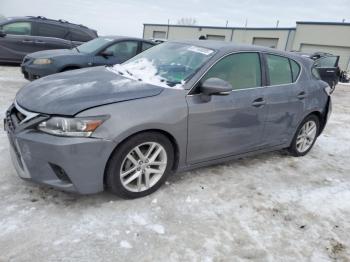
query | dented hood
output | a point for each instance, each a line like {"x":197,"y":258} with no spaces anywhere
{"x":71,"y":92}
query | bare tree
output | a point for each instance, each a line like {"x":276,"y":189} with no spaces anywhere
{"x":187,"y":21}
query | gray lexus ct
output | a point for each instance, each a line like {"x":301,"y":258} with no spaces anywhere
{"x":174,"y":107}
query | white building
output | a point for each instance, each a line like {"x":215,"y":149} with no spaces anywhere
{"x":306,"y":37}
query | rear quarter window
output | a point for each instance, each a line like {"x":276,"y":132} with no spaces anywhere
{"x":79,"y":35}
{"x":315,"y":73}
{"x":295,"y":69}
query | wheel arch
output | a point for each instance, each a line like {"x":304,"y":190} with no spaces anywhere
{"x":321,"y":117}
{"x":160,"y":131}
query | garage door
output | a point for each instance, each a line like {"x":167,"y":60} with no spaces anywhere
{"x":267,"y":42}
{"x":159,"y":34}
{"x":343,"y":52}
{"x":216,"y":37}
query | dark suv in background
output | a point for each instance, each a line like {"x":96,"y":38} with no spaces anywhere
{"x":20,"y":36}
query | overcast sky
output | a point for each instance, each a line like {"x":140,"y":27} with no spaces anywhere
{"x":126,"y":17}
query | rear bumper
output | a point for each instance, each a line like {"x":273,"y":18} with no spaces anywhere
{"x":67,"y":163}
{"x":327,"y":114}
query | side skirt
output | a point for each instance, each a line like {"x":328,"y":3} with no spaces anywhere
{"x":229,"y":158}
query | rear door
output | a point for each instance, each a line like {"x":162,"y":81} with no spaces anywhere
{"x":231,"y":124}
{"x":328,"y":69}
{"x":284,"y":99}
{"x":18,"y":41}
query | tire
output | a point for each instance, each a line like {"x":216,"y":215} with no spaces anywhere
{"x":296,"y":147}
{"x":127,"y":159}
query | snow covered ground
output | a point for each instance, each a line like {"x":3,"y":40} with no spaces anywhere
{"x":271,"y":207}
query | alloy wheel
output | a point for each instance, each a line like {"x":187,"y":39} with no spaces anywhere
{"x":306,"y":136}
{"x":143,"y":167}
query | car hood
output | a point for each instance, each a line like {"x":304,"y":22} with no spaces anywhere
{"x":73,"y":91}
{"x":53,"y":53}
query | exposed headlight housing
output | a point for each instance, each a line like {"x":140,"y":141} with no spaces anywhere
{"x":77,"y":127}
{"x":42,"y":61}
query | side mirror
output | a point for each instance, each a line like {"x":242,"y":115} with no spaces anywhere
{"x":2,"y":33}
{"x":215,"y":86}
{"x":106,"y":54}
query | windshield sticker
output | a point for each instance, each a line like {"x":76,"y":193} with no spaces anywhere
{"x":200,"y":50}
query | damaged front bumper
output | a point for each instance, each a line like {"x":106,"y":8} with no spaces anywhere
{"x":71,"y":164}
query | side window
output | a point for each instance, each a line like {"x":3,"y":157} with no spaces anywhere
{"x":241,"y":70}
{"x":326,"y":62}
{"x":18,"y":28}
{"x":77,"y":35}
{"x":124,"y":50}
{"x":295,"y":69}
{"x":50,"y":30}
{"x":146,"y":46}
{"x":279,"y":70}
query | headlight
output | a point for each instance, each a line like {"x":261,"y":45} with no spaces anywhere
{"x":81,"y":127}
{"x":42,"y":61}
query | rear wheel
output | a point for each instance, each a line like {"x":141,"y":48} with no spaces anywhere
{"x":305,"y":136}
{"x":140,"y":165}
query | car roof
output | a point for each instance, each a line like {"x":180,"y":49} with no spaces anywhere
{"x":47,"y":20}
{"x":228,"y":47}
{"x":118,"y":37}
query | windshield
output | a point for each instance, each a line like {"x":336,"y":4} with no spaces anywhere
{"x":168,"y":64}
{"x":93,"y":45}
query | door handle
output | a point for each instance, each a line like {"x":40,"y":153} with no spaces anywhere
{"x":27,"y":41}
{"x":258,"y":102}
{"x":301,"y":95}
{"x":330,"y":71}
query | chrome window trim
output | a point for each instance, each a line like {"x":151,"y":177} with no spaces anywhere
{"x":28,"y":115}
{"x":231,"y":53}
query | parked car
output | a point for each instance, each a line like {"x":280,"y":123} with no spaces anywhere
{"x":23,"y":35}
{"x":327,"y":67}
{"x":107,"y":50}
{"x":174,"y":107}
{"x":158,"y":40}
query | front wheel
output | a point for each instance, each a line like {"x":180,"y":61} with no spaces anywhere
{"x":140,"y":165}
{"x":305,"y":136}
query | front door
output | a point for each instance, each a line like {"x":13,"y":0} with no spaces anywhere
{"x":232,"y":124}
{"x":17,"y":42}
